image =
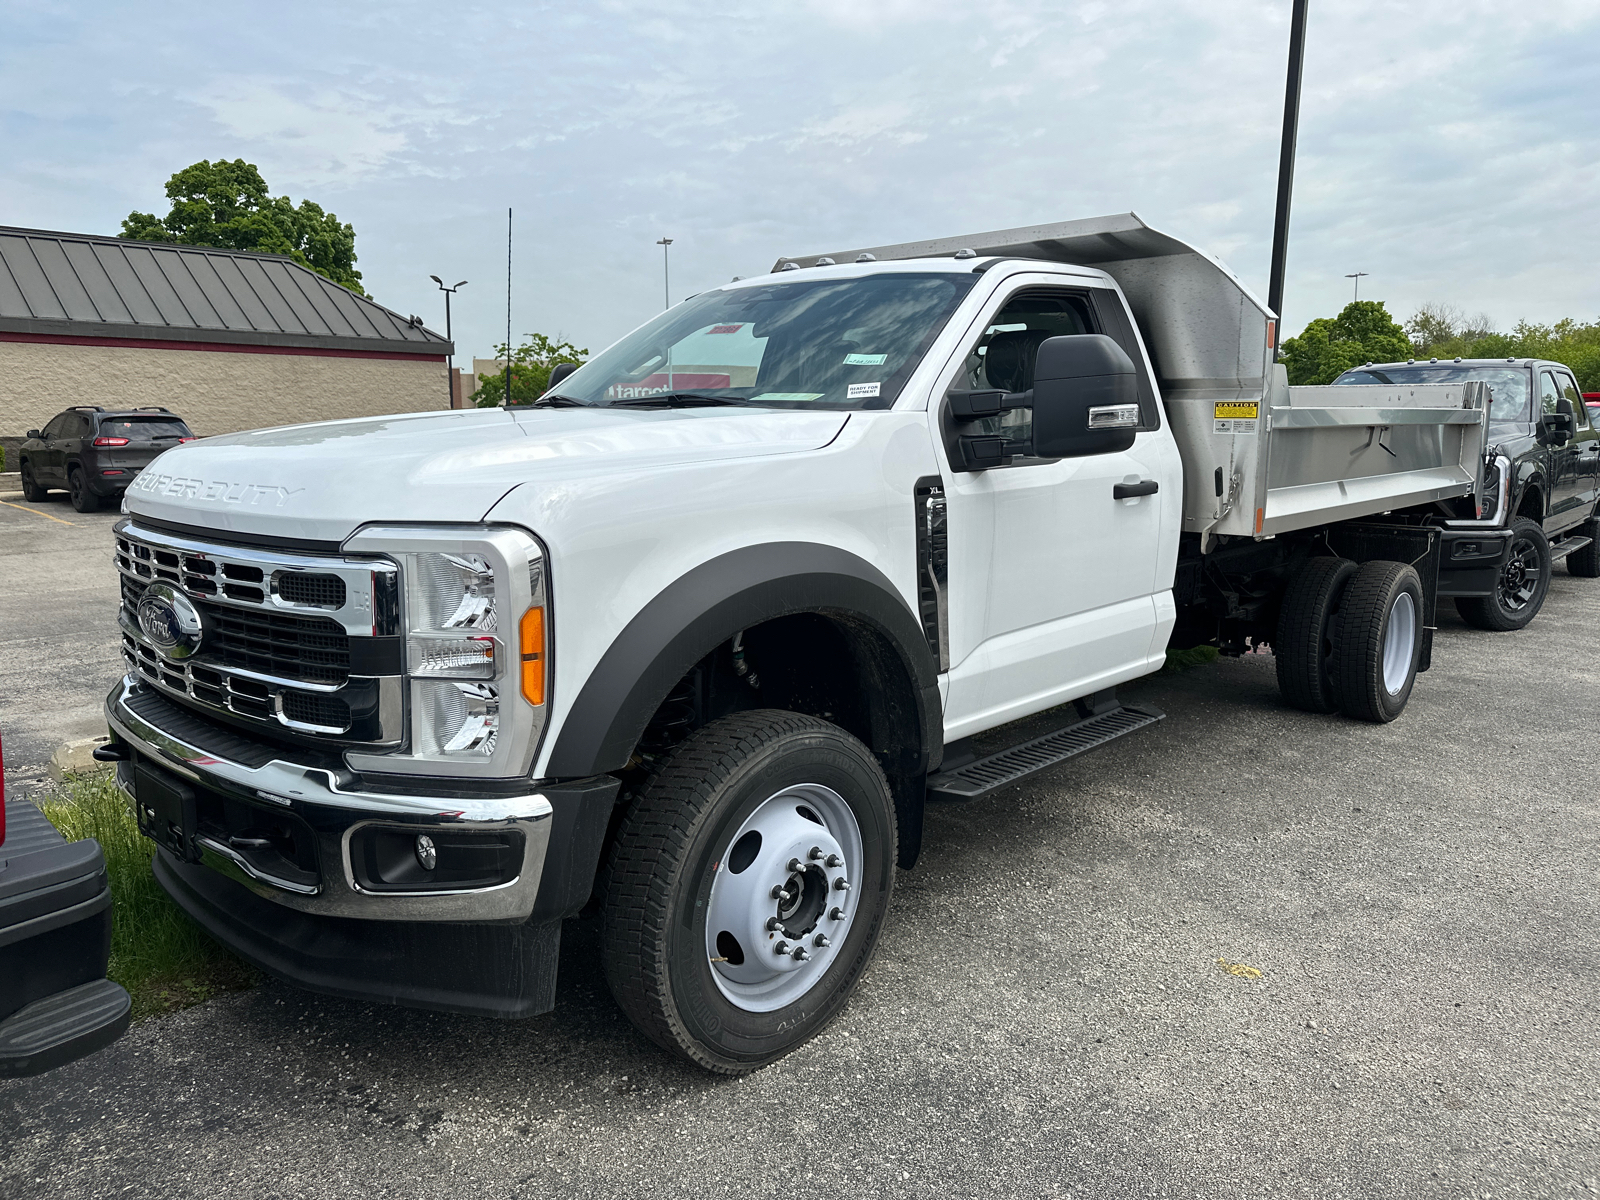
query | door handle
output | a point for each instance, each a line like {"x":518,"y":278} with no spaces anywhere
{"x":1127,"y":491}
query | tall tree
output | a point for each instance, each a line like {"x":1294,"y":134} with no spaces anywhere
{"x":1363,"y":332}
{"x":228,"y":205}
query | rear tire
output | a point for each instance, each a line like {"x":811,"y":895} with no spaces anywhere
{"x":1520,"y":590}
{"x":1585,"y":563}
{"x":1382,"y":641}
{"x":32,"y":489}
{"x":737,"y":997}
{"x":1305,"y":646}
{"x":83,"y":499}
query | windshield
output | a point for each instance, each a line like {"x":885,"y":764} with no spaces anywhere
{"x":826,"y":343}
{"x":1508,"y":386}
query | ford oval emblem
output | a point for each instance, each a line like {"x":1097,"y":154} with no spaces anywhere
{"x":171,"y":621}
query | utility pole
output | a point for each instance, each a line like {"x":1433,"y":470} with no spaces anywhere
{"x":450,"y":359}
{"x":1358,"y":277}
{"x":1291,"y":129}
{"x":508,"y":308}
{"x":666,"y":273}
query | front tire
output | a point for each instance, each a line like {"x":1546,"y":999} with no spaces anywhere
{"x":32,"y":489}
{"x":1381,"y":644}
{"x":712,"y":839}
{"x":1520,"y":591}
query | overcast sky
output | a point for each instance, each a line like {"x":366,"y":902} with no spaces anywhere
{"x":1449,"y":149}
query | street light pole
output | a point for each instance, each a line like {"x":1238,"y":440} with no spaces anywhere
{"x":666,"y":272}
{"x":1358,"y":277}
{"x":1291,"y":130}
{"x":450,"y":359}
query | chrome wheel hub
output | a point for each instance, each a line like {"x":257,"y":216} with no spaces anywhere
{"x":781,"y":903}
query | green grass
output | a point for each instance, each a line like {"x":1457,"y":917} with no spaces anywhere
{"x":1195,"y":656}
{"x":163,"y":958}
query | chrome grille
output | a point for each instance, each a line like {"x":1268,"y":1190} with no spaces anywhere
{"x":312,"y":649}
{"x":281,"y":634}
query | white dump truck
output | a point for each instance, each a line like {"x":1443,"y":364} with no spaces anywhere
{"x":689,"y":641}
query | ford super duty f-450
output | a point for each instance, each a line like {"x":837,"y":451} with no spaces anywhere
{"x":685,"y":641}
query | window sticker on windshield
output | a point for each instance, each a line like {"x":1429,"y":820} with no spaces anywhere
{"x":725,"y":329}
{"x":789,"y":397}
{"x":864,"y":360}
{"x":861,"y":391}
{"x":1235,"y":416}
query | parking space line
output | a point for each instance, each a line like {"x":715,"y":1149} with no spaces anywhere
{"x":37,"y":513}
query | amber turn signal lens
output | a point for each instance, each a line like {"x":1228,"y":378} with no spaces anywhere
{"x":531,"y":633}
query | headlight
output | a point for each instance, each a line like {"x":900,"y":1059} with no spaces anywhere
{"x":476,"y":622}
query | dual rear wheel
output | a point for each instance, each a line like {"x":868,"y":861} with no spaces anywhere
{"x":1350,"y":638}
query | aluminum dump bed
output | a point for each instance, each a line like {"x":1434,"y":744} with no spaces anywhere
{"x":1259,"y":457}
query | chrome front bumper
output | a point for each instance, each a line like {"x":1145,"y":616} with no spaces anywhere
{"x":334,"y":813}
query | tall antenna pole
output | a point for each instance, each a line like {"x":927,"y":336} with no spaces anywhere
{"x":666,"y":273}
{"x":1291,"y":129}
{"x":508,"y":307}
{"x":1358,"y":277}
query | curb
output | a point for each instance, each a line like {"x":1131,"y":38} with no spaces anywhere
{"x":77,"y":758}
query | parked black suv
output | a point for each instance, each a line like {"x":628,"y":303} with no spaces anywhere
{"x":95,"y":453}
{"x":1544,"y":453}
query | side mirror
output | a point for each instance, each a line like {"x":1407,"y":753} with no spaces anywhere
{"x":559,"y":372}
{"x":1555,"y":429}
{"x":35,"y":435}
{"x":1085,"y":397}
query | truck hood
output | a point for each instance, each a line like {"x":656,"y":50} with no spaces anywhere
{"x":321,"y":482}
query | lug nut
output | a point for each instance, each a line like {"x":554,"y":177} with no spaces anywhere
{"x":841,"y":885}
{"x":777,"y":891}
{"x":834,"y":861}
{"x":814,"y":854}
{"x":801,"y":954}
{"x":774,"y":924}
{"x":781,"y":948}
{"x":837,"y":914}
{"x":796,"y":866}
{"x":821,"y":941}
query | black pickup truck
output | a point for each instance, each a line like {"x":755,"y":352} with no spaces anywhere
{"x":1543,"y":465}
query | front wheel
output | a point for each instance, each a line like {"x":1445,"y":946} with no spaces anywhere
{"x":32,"y":490}
{"x":747,"y":888}
{"x":1519,"y":592}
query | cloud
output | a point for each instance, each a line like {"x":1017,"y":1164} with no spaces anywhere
{"x":321,"y":137}
{"x":1446,"y":148}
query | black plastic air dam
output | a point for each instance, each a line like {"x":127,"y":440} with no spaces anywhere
{"x":490,"y":970}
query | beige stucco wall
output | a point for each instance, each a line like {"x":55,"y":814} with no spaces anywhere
{"x":216,"y":392}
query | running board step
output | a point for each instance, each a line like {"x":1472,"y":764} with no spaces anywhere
{"x":1565,"y":547}
{"x":986,"y":774}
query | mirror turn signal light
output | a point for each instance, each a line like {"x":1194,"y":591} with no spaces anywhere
{"x":531,"y":645}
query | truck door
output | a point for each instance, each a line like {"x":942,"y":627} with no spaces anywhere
{"x":1053,"y":581}
{"x":1568,"y":488}
{"x":1586,"y":445}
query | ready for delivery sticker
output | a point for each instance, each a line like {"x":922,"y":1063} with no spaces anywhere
{"x":1235,"y":416}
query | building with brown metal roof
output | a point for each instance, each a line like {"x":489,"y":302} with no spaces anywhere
{"x":229,"y":340}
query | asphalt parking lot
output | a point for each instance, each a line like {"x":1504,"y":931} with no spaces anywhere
{"x":1051,"y":1013}
{"x":58,"y":628}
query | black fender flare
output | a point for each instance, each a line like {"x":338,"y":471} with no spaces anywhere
{"x":709,"y":605}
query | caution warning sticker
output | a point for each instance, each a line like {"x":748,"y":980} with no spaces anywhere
{"x":1236,"y":416}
